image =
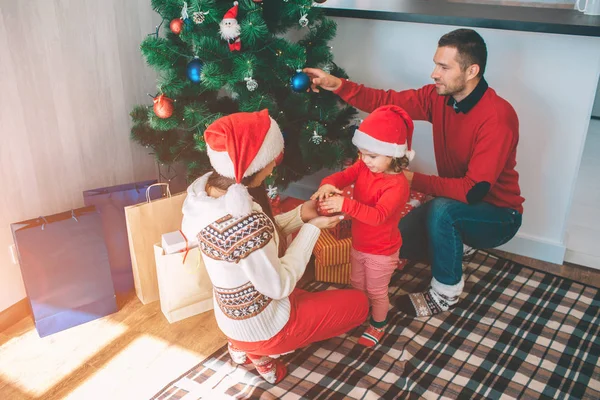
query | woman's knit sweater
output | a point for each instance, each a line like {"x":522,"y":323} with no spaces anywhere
{"x":251,"y":282}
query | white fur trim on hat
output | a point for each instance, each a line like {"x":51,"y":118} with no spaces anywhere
{"x":271,"y":148}
{"x":238,"y":201}
{"x":369,"y":143}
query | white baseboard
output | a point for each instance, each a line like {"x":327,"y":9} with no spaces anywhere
{"x":536,"y":247}
{"x":579,"y":258}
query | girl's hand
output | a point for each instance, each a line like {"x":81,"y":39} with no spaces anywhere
{"x":333,"y":204}
{"x":324,"y":192}
{"x":326,"y":222}
{"x":309,"y":211}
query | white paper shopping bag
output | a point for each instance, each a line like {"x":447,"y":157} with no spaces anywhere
{"x":184,"y":288}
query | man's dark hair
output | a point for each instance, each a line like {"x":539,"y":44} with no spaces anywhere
{"x":470,"y":47}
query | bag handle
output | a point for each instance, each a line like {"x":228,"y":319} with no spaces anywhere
{"x":157,"y":184}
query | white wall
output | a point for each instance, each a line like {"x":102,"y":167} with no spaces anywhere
{"x":547,"y":78}
{"x":70,"y":72}
{"x":596,"y":109}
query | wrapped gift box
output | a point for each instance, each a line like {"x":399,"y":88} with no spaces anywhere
{"x":176,"y":242}
{"x":333,"y":273}
{"x":332,"y":258}
{"x":343,"y":230}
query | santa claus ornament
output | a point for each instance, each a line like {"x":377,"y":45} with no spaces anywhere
{"x":230,"y":28}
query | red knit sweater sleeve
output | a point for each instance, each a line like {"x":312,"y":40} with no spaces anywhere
{"x":392,"y":198}
{"x":343,"y":178}
{"x":417,"y":103}
{"x":493,"y":145}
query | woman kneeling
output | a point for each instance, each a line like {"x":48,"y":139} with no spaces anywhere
{"x":253,"y":272}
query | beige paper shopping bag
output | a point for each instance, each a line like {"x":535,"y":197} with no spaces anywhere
{"x":184,"y":286}
{"x":146,"y":222}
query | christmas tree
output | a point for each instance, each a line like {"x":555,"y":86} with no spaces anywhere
{"x":215,"y":58}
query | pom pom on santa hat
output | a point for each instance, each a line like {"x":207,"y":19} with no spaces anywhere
{"x":232,"y":12}
{"x":240,"y":145}
{"x":387,"y":131}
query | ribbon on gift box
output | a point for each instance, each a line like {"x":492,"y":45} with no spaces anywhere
{"x":171,"y":243}
{"x":187,"y":246}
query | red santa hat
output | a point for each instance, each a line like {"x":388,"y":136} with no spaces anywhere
{"x":232,"y":12}
{"x":387,"y":131}
{"x":240,"y":145}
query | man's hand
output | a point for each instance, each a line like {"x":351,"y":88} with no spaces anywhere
{"x":322,"y":79}
{"x":409,"y":176}
{"x":308,"y":211}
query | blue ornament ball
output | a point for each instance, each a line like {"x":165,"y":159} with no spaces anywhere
{"x":189,"y":24}
{"x":300,"y":82}
{"x":194,"y":70}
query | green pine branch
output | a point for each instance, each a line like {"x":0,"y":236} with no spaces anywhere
{"x":269,"y":58}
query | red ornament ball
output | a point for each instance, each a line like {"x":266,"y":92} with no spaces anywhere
{"x":176,"y":26}
{"x":163,"y":106}
{"x":320,"y":1}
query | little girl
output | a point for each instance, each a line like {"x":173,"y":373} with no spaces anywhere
{"x":380,"y":192}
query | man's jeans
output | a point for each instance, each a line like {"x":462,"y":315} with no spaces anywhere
{"x":436,"y":231}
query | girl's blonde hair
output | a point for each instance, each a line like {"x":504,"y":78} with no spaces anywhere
{"x":398,"y":164}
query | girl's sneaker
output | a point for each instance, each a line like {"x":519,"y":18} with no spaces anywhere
{"x":371,"y":336}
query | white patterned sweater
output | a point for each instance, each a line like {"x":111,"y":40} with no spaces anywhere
{"x":251,"y":284}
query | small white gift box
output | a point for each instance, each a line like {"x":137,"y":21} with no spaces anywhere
{"x":176,"y":242}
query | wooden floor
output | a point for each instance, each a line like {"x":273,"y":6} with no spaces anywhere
{"x":131,"y":354}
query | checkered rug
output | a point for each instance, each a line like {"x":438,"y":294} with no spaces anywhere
{"x":520,"y":334}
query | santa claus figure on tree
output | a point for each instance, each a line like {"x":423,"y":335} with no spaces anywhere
{"x":230,"y":28}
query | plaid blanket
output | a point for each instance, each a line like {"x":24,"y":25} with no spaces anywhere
{"x":517,"y":334}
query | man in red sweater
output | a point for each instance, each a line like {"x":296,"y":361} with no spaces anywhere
{"x":475,"y":134}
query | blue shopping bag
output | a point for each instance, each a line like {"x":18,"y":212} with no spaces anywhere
{"x":65,"y":269}
{"x":111,"y":203}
